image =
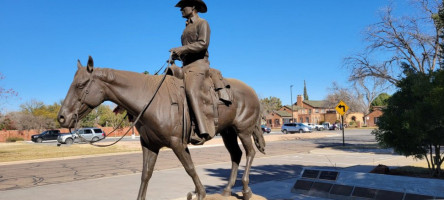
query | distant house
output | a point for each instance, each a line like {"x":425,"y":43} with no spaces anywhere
{"x":372,"y":118}
{"x":304,"y":111}
{"x":309,"y":111}
{"x":276,"y":118}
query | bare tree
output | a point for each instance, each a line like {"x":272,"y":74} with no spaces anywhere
{"x":413,"y":40}
{"x":31,"y":106}
{"x":351,"y":98}
{"x":369,"y":89}
{"x":27,"y":121}
{"x":5,"y":93}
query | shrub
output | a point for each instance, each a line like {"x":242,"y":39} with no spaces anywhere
{"x":14,"y":139}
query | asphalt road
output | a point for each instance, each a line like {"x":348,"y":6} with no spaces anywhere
{"x":33,"y":174}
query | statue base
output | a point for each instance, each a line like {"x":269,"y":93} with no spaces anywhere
{"x":235,"y":196}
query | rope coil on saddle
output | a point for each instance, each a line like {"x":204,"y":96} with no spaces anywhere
{"x":170,"y":60}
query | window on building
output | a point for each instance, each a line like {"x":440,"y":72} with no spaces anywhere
{"x":316,"y":110}
{"x":307,"y":120}
{"x":309,"y":111}
{"x":301,"y":120}
{"x":322,"y":111}
{"x":277,"y":122}
{"x":376,"y":120}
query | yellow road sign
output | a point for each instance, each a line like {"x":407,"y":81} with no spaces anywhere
{"x":341,"y":107}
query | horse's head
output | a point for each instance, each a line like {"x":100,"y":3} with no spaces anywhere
{"x":85,"y":93}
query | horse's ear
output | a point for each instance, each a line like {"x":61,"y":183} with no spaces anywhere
{"x":79,"y":65}
{"x":90,"y":66}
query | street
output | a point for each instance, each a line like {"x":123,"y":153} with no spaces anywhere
{"x":117,"y":176}
{"x":33,"y":174}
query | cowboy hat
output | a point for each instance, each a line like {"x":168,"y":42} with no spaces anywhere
{"x":199,"y":4}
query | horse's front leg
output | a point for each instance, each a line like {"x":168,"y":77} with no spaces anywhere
{"x":149,"y":160}
{"x":184,"y":156}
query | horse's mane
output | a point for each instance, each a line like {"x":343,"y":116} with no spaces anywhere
{"x":109,"y":75}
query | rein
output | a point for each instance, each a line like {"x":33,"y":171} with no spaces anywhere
{"x":82,"y":102}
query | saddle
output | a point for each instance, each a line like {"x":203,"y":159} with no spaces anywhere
{"x":220,"y":93}
{"x":218,"y":83}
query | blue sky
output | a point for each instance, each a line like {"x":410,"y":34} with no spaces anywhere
{"x":270,"y":45}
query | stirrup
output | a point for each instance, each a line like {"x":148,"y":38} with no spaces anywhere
{"x":223,"y":95}
{"x":196,"y":140}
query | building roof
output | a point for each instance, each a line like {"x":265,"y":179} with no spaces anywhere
{"x":283,"y":113}
{"x":315,"y":104}
{"x":295,"y":107}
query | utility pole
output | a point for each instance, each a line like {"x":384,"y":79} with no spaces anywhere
{"x":291,"y":97}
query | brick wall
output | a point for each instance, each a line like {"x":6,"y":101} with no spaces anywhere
{"x":370,"y":118}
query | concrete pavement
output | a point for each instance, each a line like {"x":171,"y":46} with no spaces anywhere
{"x":271,"y":177}
{"x":118,"y":176}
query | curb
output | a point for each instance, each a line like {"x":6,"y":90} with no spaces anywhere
{"x":336,"y":184}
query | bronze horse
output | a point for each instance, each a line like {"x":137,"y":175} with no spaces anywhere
{"x":161,"y":125}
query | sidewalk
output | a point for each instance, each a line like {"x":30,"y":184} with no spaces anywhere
{"x":271,"y":177}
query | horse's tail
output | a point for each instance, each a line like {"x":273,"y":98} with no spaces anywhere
{"x":258,"y":137}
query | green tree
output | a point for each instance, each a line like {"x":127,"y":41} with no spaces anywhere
{"x":305,"y":92}
{"x":36,"y":115}
{"x":104,"y":116}
{"x":269,"y":104}
{"x":413,"y":122}
{"x":381,"y":100}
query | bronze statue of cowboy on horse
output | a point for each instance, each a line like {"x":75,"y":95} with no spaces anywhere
{"x":165,"y":120}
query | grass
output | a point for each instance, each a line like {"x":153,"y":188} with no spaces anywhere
{"x":359,"y":146}
{"x":20,"y":151}
{"x":419,"y":169}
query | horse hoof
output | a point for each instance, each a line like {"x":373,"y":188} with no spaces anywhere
{"x":226,"y":193}
{"x":247,"y":194}
{"x":189,"y":196}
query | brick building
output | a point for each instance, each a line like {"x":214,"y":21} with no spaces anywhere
{"x":372,"y":118}
{"x":277,"y":118}
{"x":309,"y":111}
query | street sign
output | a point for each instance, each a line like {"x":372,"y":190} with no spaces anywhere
{"x":341,"y":107}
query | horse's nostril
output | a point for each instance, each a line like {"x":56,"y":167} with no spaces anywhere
{"x":61,"y":119}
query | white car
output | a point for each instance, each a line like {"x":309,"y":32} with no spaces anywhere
{"x":317,"y":127}
{"x":295,"y":127}
{"x":88,"y":134}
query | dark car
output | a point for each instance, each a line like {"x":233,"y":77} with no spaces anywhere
{"x":334,"y":127}
{"x":45,"y":135}
{"x":265,"y":129}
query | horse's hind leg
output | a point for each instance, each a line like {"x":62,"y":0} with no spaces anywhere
{"x":230,"y":141}
{"x":149,"y":160}
{"x":245,"y":138}
{"x":184,"y":156}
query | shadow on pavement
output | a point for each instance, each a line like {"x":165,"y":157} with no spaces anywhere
{"x":357,"y":148}
{"x":258,"y":174}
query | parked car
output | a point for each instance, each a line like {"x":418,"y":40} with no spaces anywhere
{"x":45,"y":135}
{"x":88,"y":134}
{"x":334,"y":127}
{"x":326,"y":125}
{"x":317,"y":127}
{"x":265,"y":129}
{"x":295,"y":127}
{"x":309,"y":125}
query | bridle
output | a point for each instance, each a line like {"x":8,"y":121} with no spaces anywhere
{"x":85,"y":94}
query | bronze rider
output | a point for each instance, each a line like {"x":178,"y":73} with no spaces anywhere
{"x":194,"y":55}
